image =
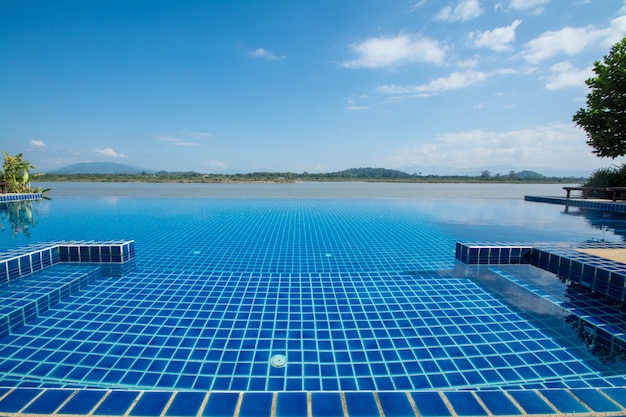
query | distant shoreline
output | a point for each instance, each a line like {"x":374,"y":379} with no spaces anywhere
{"x":246,"y":180}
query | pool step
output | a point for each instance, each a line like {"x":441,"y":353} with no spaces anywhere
{"x":599,"y":322}
{"x":116,"y":258}
{"x":26,"y":298}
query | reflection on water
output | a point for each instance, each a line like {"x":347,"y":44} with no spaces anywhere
{"x":606,"y":221}
{"x":17,"y":217}
{"x":598,"y":322}
{"x":582,"y":320}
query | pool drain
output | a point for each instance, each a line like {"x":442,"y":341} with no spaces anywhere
{"x":278,"y":361}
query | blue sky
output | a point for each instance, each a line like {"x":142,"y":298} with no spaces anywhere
{"x":430,"y":86}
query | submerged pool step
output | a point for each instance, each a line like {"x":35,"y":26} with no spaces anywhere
{"x":25,"y":299}
{"x":600,"y":323}
{"x":116,"y":258}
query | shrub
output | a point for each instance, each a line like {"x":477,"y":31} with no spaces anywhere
{"x":614,"y":176}
{"x":16,"y":173}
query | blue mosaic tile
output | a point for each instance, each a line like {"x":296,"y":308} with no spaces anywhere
{"x":361,"y":404}
{"x":326,"y":404}
{"x":256,"y":404}
{"x":605,"y":206}
{"x":395,"y":404}
{"x":20,"y":197}
{"x":151,"y":404}
{"x":24,"y":262}
{"x":430,"y":404}
{"x":498,"y":403}
{"x":117,"y":403}
{"x":531,"y":402}
{"x":17,"y":400}
{"x":617,"y":394}
{"x":83,"y":402}
{"x":48,"y":401}
{"x":221,"y":404}
{"x":595,"y":400}
{"x":186,"y":404}
{"x":291,"y":404}
{"x":563,"y":401}
{"x":465,"y":404}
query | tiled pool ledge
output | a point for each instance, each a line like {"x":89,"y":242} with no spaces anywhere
{"x":583,"y":402}
{"x":604,"y":205}
{"x":6,"y":198}
{"x":604,"y":276}
{"x":115,"y":257}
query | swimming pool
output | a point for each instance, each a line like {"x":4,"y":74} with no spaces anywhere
{"x":295,"y":287}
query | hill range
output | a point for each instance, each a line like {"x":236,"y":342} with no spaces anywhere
{"x":99,"y":169}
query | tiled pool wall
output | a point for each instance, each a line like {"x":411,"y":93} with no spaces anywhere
{"x":602,"y":275}
{"x":5,"y":198}
{"x":617,"y":207}
{"x":116,"y":258}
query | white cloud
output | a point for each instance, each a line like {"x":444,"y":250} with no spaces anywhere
{"x":37,"y":144}
{"x":464,"y":11}
{"x":564,"y":74}
{"x":168,"y":139}
{"x":196,"y":135}
{"x":417,"y":5}
{"x":353,"y":104}
{"x":468,"y":63}
{"x":185,"y":143}
{"x":216,"y":164}
{"x":529,"y":4}
{"x":388,"y":52}
{"x":178,"y":141}
{"x":571,"y":41}
{"x":498,"y":39}
{"x":265,"y":54}
{"x":110,"y":153}
{"x":454,"y":81}
{"x":533,"y":148}
{"x":615,"y":32}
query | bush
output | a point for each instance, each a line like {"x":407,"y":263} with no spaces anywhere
{"x":614,"y":176}
{"x":17,"y":174}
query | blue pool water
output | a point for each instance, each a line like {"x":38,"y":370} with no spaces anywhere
{"x":355,"y":286}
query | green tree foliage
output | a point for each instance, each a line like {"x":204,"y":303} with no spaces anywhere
{"x":605,"y":116}
{"x":16,"y":173}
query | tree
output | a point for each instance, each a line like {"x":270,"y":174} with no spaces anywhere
{"x":605,"y":116}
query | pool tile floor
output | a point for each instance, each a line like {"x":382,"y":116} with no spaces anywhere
{"x":373,"y":319}
{"x":375,"y":331}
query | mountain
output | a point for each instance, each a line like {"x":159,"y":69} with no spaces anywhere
{"x":370,"y":173}
{"x":529,"y":175}
{"x":99,"y":168}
